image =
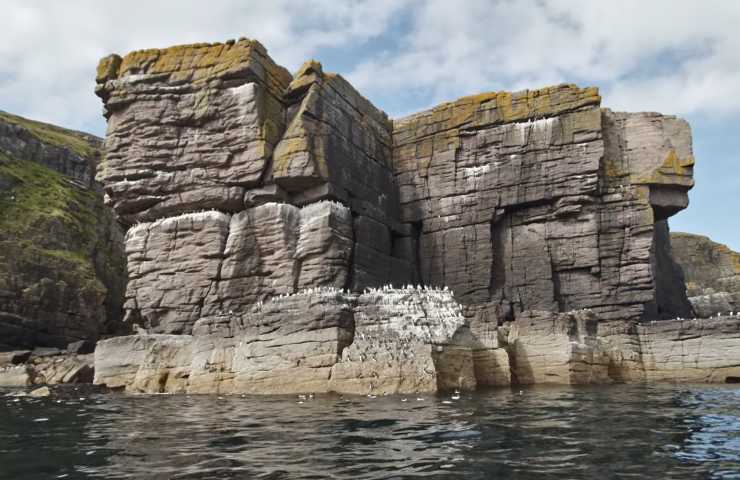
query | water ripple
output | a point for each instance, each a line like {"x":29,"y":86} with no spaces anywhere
{"x":621,"y":431}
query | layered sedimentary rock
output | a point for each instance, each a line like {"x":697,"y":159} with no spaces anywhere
{"x":73,"y":154}
{"x":542,"y":200}
{"x":318,"y":340}
{"x":189,"y":127}
{"x":696,"y":350}
{"x":248,"y":190}
{"x":221,"y":127}
{"x":62,"y":270}
{"x":712,"y":272}
{"x":561,"y":349}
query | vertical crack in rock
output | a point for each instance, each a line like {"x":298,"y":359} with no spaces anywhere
{"x":523,"y":204}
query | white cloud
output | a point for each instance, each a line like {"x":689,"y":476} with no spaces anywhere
{"x":49,"y":50}
{"x":671,"y":56}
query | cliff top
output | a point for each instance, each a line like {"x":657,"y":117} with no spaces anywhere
{"x":82,"y":144}
{"x":198,"y":63}
{"x":501,"y":107}
{"x":701,"y":244}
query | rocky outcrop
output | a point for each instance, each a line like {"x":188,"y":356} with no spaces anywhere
{"x":73,"y":154}
{"x":692,"y":351}
{"x":542,"y":200}
{"x":712,"y":274}
{"x":560,"y":349}
{"x":247,"y":190}
{"x":62,"y":269}
{"x":319,"y":340}
{"x":45,"y":366}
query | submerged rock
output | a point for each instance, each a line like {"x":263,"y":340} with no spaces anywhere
{"x":40,"y":392}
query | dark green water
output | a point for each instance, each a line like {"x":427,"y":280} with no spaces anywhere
{"x":654,"y":432}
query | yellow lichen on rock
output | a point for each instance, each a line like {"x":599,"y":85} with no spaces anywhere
{"x":201,"y":63}
{"x":108,"y":68}
{"x":495,"y":108}
{"x":673,"y":170}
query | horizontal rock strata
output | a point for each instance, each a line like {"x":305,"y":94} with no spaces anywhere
{"x":698,"y":350}
{"x":245,"y":187}
{"x":317,"y":340}
{"x":407,"y":341}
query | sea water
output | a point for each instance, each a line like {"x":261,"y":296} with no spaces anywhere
{"x":604,"y":432}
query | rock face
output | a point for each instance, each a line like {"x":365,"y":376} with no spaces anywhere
{"x":542,"y":200}
{"x":712,"y":273}
{"x":247,"y":190}
{"x":324,"y":339}
{"x":698,"y":350}
{"x":62,"y":268}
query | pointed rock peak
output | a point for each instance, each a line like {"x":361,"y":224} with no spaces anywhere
{"x":310,"y":72}
{"x":309,"y":67}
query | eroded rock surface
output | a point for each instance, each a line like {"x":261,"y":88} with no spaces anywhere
{"x":45,"y":366}
{"x":318,"y":340}
{"x":697,"y":350}
{"x":251,"y":193}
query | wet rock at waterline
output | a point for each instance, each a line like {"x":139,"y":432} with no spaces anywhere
{"x":318,"y":340}
{"x":48,"y":368}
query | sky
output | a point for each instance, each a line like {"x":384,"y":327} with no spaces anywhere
{"x":675,"y":57}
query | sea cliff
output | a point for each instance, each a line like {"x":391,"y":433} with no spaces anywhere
{"x":284,"y":235}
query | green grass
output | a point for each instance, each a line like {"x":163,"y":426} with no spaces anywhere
{"x":78,"y":142}
{"x":49,"y":225}
{"x":42,"y":198}
{"x":57,"y":239}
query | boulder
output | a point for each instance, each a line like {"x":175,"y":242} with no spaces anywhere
{"x":40,"y":392}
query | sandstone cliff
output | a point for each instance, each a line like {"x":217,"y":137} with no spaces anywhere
{"x":542,"y":214}
{"x":712,"y":273}
{"x":61,"y":256}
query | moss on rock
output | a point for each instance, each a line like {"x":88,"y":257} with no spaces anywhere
{"x":61,"y":256}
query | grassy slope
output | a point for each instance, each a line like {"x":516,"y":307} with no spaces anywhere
{"x":78,"y":142}
{"x":46,"y":221}
{"x":50,"y":228}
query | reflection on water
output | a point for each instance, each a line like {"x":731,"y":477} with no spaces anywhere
{"x":571,"y":432}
